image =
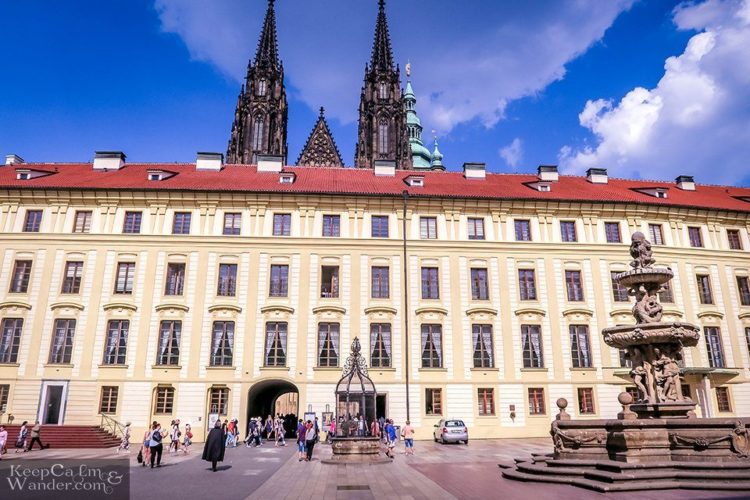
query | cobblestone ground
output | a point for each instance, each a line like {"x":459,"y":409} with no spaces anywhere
{"x":435,"y":472}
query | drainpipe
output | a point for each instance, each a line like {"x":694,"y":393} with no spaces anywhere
{"x":406,"y":305}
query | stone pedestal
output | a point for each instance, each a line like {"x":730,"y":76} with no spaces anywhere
{"x":356,"y":450}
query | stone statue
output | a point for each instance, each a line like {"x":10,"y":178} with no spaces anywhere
{"x":667,"y":377}
{"x":640,"y":250}
{"x":647,"y":308}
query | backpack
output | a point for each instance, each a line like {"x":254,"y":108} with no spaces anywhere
{"x":156,"y":436}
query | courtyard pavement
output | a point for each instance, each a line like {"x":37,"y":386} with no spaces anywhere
{"x":435,"y":472}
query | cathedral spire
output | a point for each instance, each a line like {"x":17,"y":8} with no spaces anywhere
{"x":268,"y":47}
{"x":320,"y":149}
{"x":382,"y":55}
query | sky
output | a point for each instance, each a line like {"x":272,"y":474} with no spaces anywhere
{"x":645,"y":89}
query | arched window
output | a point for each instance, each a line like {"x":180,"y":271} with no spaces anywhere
{"x":258,"y":133}
{"x":261,"y":89}
{"x":383,"y":137}
{"x":383,"y":90}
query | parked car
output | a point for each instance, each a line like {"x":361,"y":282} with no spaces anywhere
{"x":451,"y":431}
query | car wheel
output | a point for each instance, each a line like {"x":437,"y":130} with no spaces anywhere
{"x":466,"y":442}
{"x":433,"y":437}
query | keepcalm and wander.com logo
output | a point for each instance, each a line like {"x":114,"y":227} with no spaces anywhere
{"x":63,"y":479}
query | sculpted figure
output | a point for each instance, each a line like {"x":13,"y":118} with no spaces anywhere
{"x":647,"y":308}
{"x":668,"y":376}
{"x":640,"y":250}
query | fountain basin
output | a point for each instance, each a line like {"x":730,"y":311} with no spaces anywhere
{"x":622,"y":337}
{"x":655,"y":275}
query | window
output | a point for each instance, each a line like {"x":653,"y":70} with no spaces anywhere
{"x":33,"y":221}
{"x":657,"y":236}
{"x":232,"y":223}
{"x":132,"y":224}
{"x":258,"y":134}
{"x":430,"y":288}
{"x":713,"y":347}
{"x":747,"y":337}
{"x":612,"y":232}
{"x":527,"y":284}
{"x":704,"y":289}
{"x":379,"y":226}
{"x":625,"y":361}
{"x":380,"y":282}
{"x":694,"y":234}
{"x":261,"y":89}
{"x":169,"y":343}
{"x":568,"y":231}
{"x":665,"y":293}
{"x":328,"y":344}
{"x":531,"y":341}
{"x":329,"y":284}
{"x":380,"y":344}
{"x":279,"y":280}
{"x":282,"y":224}
{"x":633,"y":391}
{"x":10,"y":339}
{"x":222,"y":343}
{"x":332,"y":226}
{"x":175,"y":278}
{"x":4,"y":395}
{"x":536,"y":401}
{"x":486,"y":400}
{"x":744,"y":288}
{"x":733,"y":235}
{"x":83,"y":222}
{"x":72,"y":280}
{"x":276,"y":344}
{"x":383,"y":90}
{"x":574,"y":286}
{"x":125,"y":277}
{"x":580,"y":350}
{"x":523,"y":230}
{"x":428,"y":228}
{"x":476,"y":228}
{"x":619,"y":292}
{"x":383,"y":138}
{"x":722,"y":399}
{"x":585,"y":400}
{"x":164,"y":401}
{"x":433,"y":401}
{"x":108,"y":402}
{"x":481,"y":336}
{"x":19,"y":283}
{"x":62,"y":341}
{"x":227,"y":286}
{"x":479,"y":287}
{"x":181,"y":223}
{"x":432,"y":351}
{"x":116,"y":345}
{"x":219,"y":400}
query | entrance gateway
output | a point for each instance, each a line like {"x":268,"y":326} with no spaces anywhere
{"x":262,"y":398}
{"x":52,"y":401}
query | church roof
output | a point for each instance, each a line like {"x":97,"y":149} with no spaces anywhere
{"x":348,"y":181}
{"x":320,"y":150}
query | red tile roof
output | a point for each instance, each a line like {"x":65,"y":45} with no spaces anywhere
{"x":343,"y":181}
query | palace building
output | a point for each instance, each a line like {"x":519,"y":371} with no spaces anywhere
{"x":161,"y":291}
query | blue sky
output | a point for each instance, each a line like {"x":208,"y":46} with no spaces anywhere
{"x":649,"y":89}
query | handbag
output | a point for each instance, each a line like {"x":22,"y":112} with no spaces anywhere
{"x":139,"y":458}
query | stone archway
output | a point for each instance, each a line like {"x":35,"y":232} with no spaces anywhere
{"x":262,"y":397}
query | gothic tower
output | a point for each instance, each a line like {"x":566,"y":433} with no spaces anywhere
{"x":260,"y":119}
{"x":382,"y":118}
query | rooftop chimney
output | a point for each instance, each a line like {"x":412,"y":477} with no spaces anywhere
{"x":270,"y":163}
{"x":548,"y":173}
{"x":13,"y":160}
{"x":209,"y":161}
{"x":385,"y":168}
{"x":597,"y":176}
{"x":475,"y":171}
{"x":685,"y":182}
{"x":109,"y":160}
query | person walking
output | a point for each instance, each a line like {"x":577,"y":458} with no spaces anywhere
{"x":146,"y":447}
{"x":375,"y":429}
{"x":301,"y":430}
{"x":408,"y":434}
{"x":331,"y":430}
{"x":381,"y":423}
{"x":268,"y":428}
{"x":310,"y":437}
{"x":155,"y":443}
{"x":3,"y":440}
{"x":213,"y":450}
{"x":125,"y":442}
{"x":391,"y":439}
{"x":23,"y":433}
{"x":230,"y":434}
{"x":174,"y":436}
{"x":36,"y":432}
{"x":188,"y":440}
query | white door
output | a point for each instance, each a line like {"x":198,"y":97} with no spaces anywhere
{"x":54,"y":395}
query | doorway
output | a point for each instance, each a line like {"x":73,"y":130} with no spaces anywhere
{"x":263,"y":396}
{"x":52,"y":403}
{"x":381,"y":406}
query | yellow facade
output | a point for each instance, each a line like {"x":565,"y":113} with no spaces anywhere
{"x":305,"y":251}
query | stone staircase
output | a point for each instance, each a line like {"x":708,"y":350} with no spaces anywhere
{"x":609,"y":475}
{"x":67,"y":436}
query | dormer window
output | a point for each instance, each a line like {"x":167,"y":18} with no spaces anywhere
{"x":541,"y":186}
{"x":660,"y":193}
{"x":656,"y":192}
{"x":23,"y":176}
{"x":415,"y":180}
{"x":545,"y":188}
{"x":159,"y":175}
{"x":286,"y":178}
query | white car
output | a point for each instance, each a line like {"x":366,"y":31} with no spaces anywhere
{"x":451,"y":431}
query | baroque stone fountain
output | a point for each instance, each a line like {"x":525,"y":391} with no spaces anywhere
{"x":656,"y":441}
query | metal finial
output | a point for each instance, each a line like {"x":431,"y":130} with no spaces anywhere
{"x":322,"y":111}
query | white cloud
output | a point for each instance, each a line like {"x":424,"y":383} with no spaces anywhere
{"x":695,"y":121}
{"x":470,"y":59}
{"x":512,"y":153}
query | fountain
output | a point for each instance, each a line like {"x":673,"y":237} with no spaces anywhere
{"x":656,"y":442}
